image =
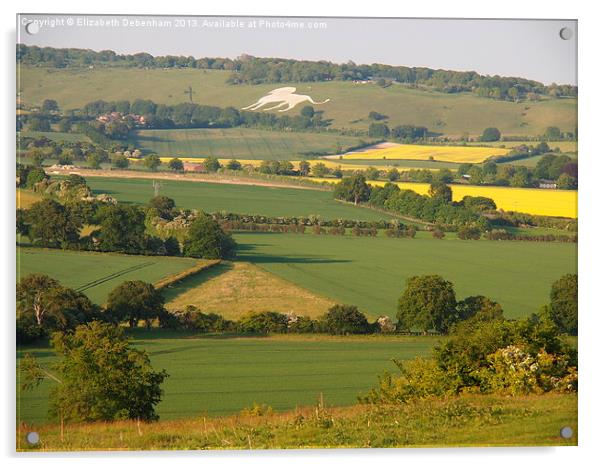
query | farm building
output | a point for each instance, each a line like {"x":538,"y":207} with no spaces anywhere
{"x":194,"y":167}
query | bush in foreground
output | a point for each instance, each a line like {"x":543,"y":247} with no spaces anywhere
{"x":486,"y":355}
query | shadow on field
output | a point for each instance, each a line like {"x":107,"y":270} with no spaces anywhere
{"x":140,"y":335}
{"x":195,"y":280}
{"x":244,"y":252}
{"x":271,"y":259}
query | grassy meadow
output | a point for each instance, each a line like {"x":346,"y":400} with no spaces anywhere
{"x":371,"y":272}
{"x":27,"y":197}
{"x":449,"y":114}
{"x":239,"y":143}
{"x":96,"y":274}
{"x":213,"y":197}
{"x":467,"y":421}
{"x":222,"y":375}
{"x":56,"y":136}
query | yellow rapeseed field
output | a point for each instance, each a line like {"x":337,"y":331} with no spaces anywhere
{"x":549,"y":202}
{"x":458,"y":154}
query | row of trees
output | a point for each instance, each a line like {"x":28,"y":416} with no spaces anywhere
{"x":253,"y":70}
{"x":192,"y":115}
{"x":402,"y":133}
{"x":437,"y":207}
{"x":45,"y":306}
{"x":429,"y":303}
{"x":561,"y":169}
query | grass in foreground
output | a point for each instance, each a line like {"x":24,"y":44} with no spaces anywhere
{"x":222,"y":374}
{"x":234,"y":288}
{"x":477,"y":420}
{"x":371,"y":272}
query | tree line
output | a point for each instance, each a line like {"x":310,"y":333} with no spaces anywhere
{"x":436,"y":207}
{"x":248,"y":69}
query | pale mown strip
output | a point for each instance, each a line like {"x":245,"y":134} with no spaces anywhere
{"x":234,"y":288}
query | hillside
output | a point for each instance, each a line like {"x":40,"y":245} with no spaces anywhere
{"x":349,"y":105}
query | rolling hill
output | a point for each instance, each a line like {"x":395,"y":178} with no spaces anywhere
{"x":349,"y":105}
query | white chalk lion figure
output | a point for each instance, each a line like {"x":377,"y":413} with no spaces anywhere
{"x":283,"y":97}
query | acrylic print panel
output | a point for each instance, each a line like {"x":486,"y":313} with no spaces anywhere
{"x":275,"y":233}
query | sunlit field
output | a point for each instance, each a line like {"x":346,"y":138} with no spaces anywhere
{"x":457,"y":154}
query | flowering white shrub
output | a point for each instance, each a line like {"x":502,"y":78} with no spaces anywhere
{"x":513,"y":371}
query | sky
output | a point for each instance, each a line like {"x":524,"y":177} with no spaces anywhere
{"x":530,"y":49}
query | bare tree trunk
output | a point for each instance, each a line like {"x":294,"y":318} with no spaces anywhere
{"x":38,"y":310}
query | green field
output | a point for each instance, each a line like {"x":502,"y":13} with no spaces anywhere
{"x":56,"y":136}
{"x":219,"y":376}
{"x":96,"y":274}
{"x":213,"y":197}
{"x":371,"y":272}
{"x":449,"y":114}
{"x":531,"y":161}
{"x":239,"y":143}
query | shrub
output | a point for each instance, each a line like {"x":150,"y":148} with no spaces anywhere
{"x":344,"y":319}
{"x":485,"y":356}
{"x":468,"y":232}
{"x":513,"y":371}
{"x":263,"y":322}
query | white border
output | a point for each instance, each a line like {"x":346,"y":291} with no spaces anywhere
{"x":590,"y":147}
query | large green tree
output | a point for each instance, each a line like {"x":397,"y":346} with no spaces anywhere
{"x":164,"y":205}
{"x":44,"y":305}
{"x":152,"y":162}
{"x":206,"y":239}
{"x":563,"y":304}
{"x":122,"y":228}
{"x":51,"y":224}
{"x":427,"y":303}
{"x":353,"y":189}
{"x":98,"y":376}
{"x":176,"y":165}
{"x":440,"y":191}
{"x":491,"y":134}
{"x":133,"y":301}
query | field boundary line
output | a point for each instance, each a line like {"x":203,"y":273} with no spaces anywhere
{"x":119,"y":273}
